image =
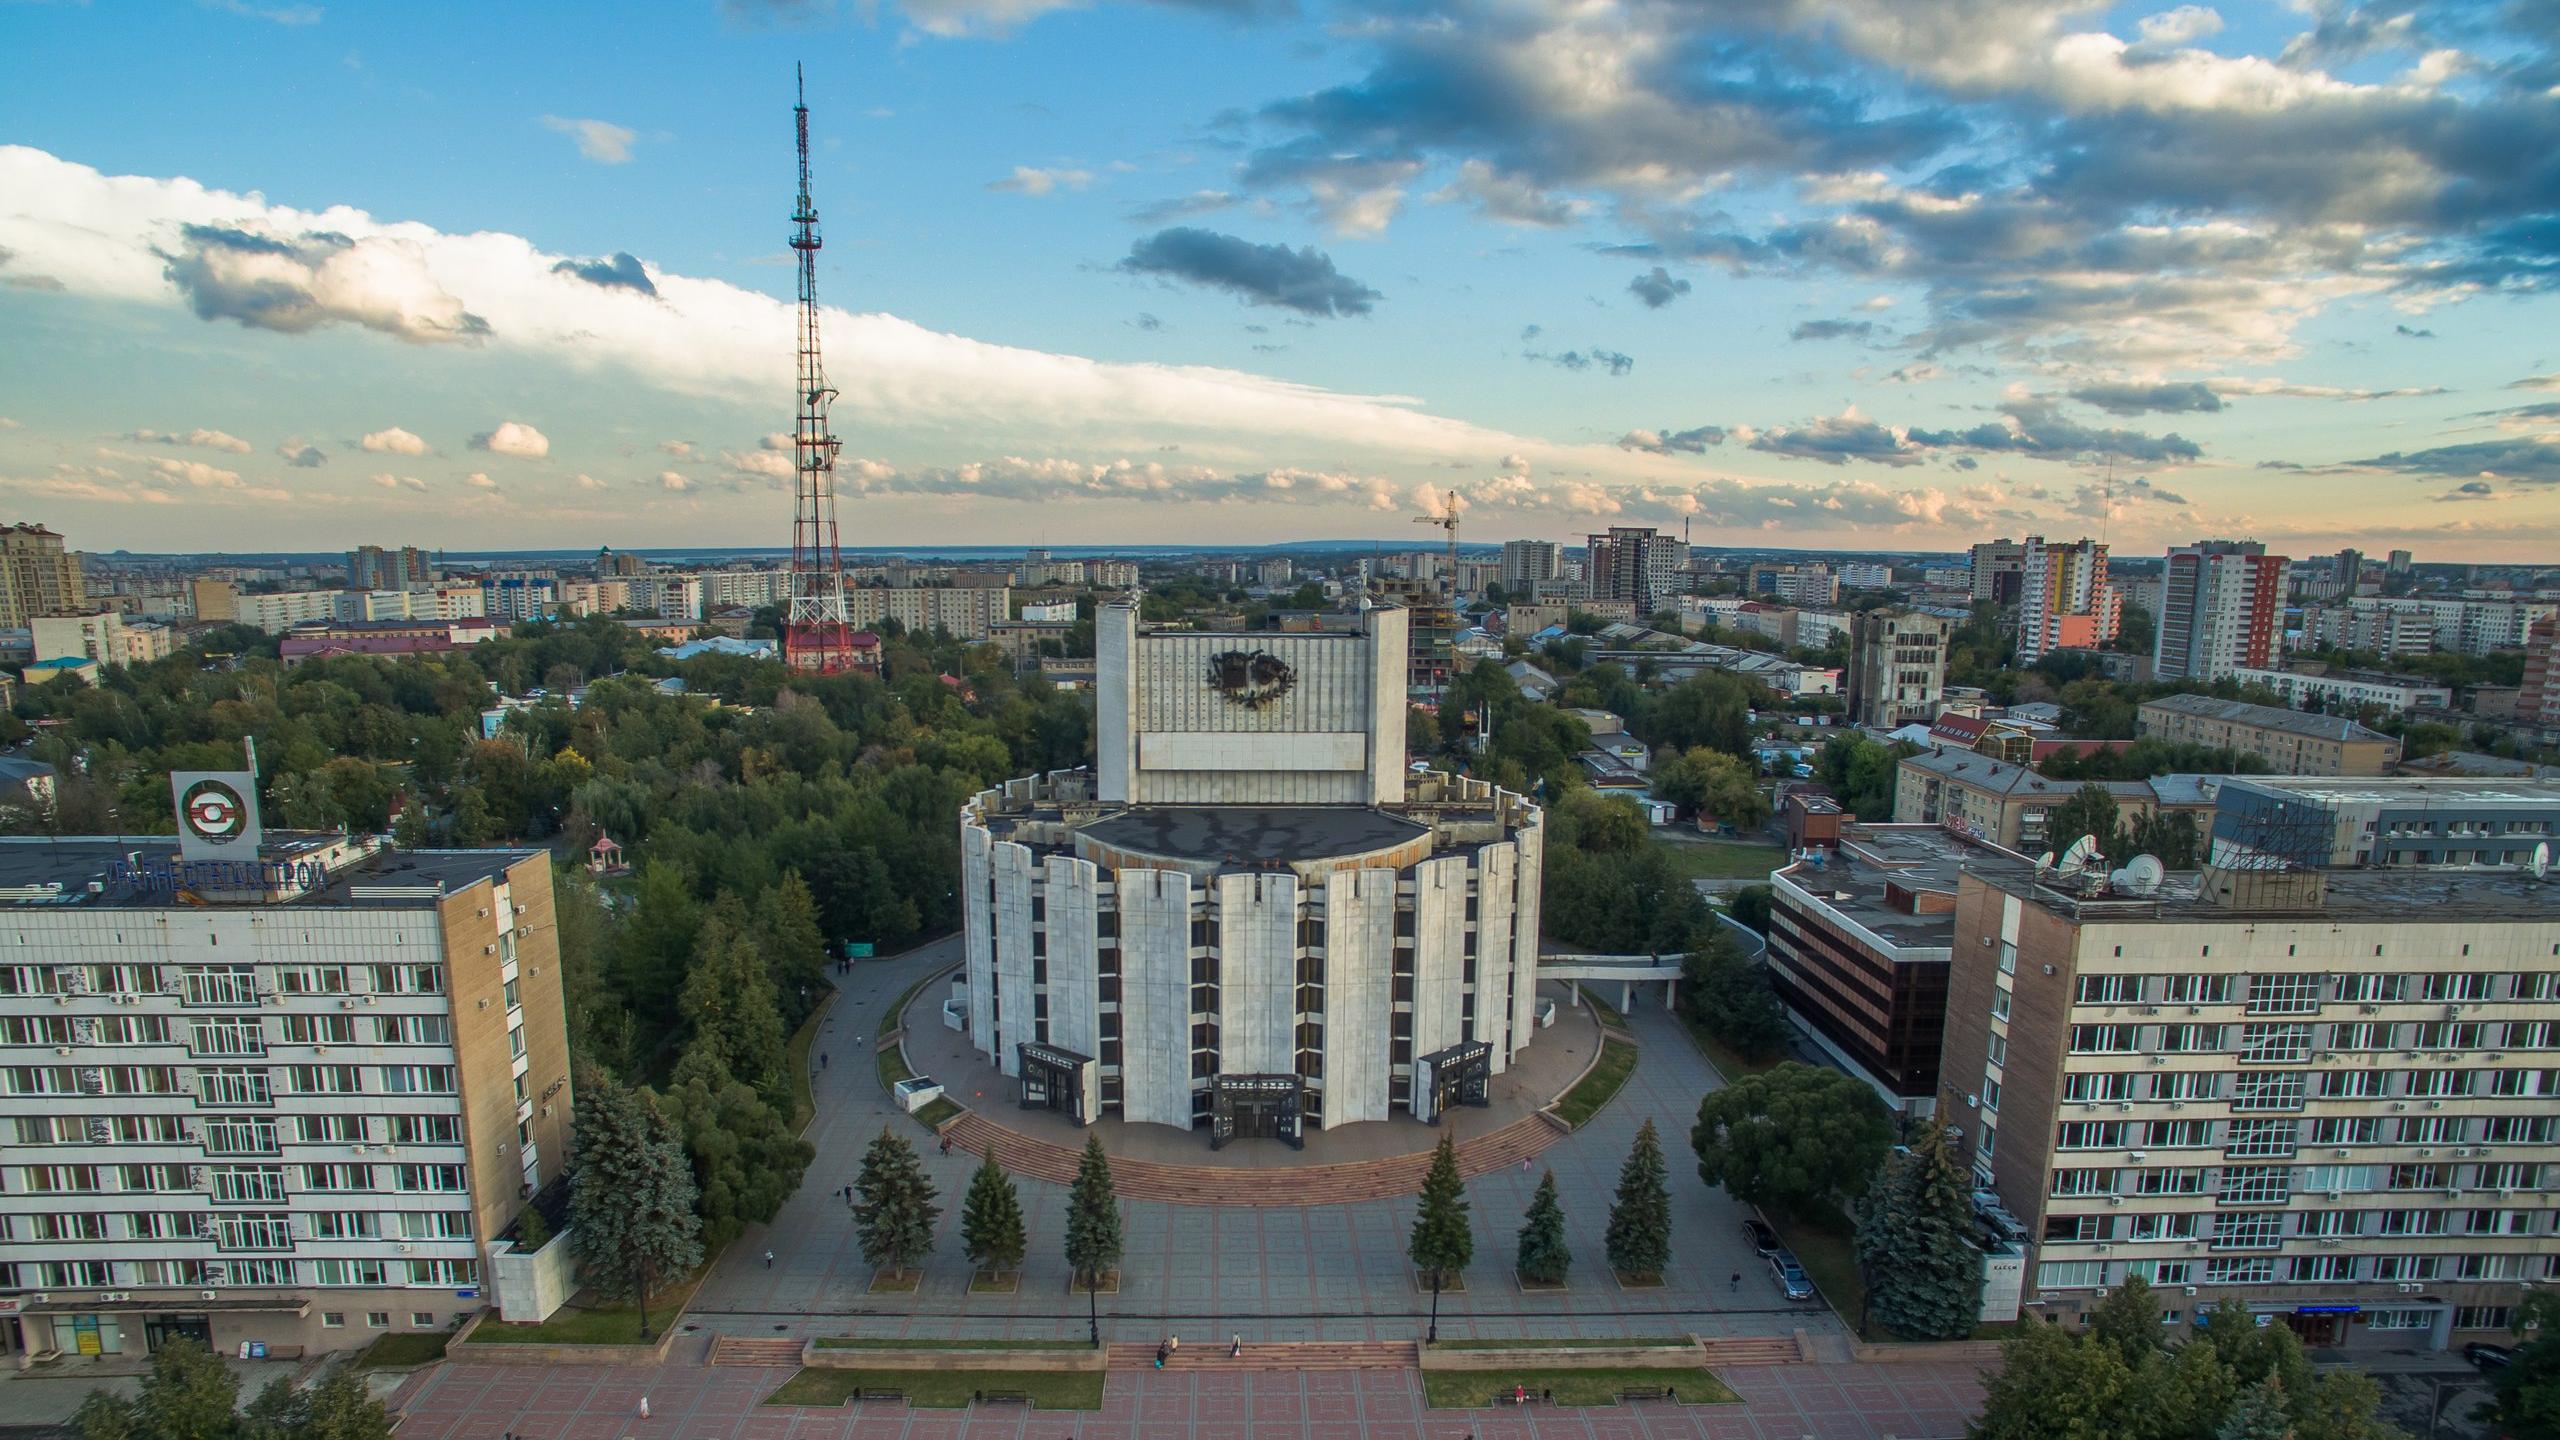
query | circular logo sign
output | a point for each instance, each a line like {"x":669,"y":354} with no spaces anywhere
{"x":212,"y":810}
{"x":1250,"y":678}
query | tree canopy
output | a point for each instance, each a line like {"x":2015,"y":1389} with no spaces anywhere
{"x":1791,"y":1136}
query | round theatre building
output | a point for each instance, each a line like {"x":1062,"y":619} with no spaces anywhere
{"x":1248,"y":915}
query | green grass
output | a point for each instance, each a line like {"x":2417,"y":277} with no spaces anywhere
{"x":942,"y":1108}
{"x":1607,"y":1012}
{"x":584,"y":1321}
{"x":898,"y":1007}
{"x":404,"y":1351}
{"x":1617,"y":1062}
{"x":804,"y":1105}
{"x":1471,"y":1389}
{"x":945,"y":1389}
{"x":1564,"y":1344}
{"x":858,"y":1342}
{"x":893,"y":1066}
{"x":1728,"y":1062}
{"x":1828,"y":1250}
{"x":1705,"y":859}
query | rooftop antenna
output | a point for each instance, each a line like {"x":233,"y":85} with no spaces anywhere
{"x":2540,"y":864}
{"x":2141,"y":875}
{"x":816,"y":633}
{"x":2081,"y":858}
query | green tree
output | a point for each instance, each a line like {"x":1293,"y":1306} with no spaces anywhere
{"x":2129,"y":1320}
{"x":1712,"y":782}
{"x":2525,"y":1396}
{"x":2259,"y":1414}
{"x":2051,"y":1386}
{"x":793,"y":946}
{"x":1730,"y":996}
{"x":1923,"y":1274}
{"x":1093,"y":1229}
{"x":2091,"y":812}
{"x":1545,"y":1258}
{"x":1443,"y":1241}
{"x":991,"y":1220}
{"x":631,"y":1194}
{"x":894,"y":1209}
{"x":189,"y":1394}
{"x":729,"y":1002}
{"x":1749,"y":906}
{"x":746,"y":1162}
{"x":1791,"y":1137}
{"x":1639,"y":1237}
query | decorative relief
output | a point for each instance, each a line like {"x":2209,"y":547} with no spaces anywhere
{"x":1250,"y":678}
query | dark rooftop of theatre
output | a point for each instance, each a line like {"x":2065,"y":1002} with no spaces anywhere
{"x":1251,"y":834}
{"x":387,"y":879}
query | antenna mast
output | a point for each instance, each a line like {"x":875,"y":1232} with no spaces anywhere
{"x":816,"y":636}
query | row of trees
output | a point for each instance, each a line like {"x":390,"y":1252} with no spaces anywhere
{"x":190,"y":1394}
{"x":1637,"y":1244}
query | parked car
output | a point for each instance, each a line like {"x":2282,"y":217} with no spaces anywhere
{"x":1763,"y":1239}
{"x":2487,"y":1356}
{"x":1790,"y":1276}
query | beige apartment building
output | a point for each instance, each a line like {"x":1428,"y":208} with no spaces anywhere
{"x":2292,"y":742}
{"x":2327,"y":1095}
{"x":968,"y":612}
{"x":37,"y":576}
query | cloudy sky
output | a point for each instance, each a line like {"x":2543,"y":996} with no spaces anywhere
{"x":1847,"y":273}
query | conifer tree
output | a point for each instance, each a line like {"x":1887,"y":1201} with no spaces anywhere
{"x":631,"y":1194}
{"x":894,"y":1210}
{"x":1544,"y":1256}
{"x":1093,"y":1229}
{"x":991,"y":1220}
{"x":1639,"y":1241}
{"x":1443,"y":1242}
{"x":1923,"y":1274}
{"x":2259,"y":1414}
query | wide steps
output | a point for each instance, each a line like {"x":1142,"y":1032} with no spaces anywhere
{"x":1335,"y":1184}
{"x":736,"y":1350}
{"x":1285,"y":1356}
{"x":1752,"y":1350}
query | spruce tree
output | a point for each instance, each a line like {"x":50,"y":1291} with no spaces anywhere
{"x":631,"y":1194}
{"x":1639,"y":1243}
{"x":2259,"y":1414}
{"x":1443,"y":1242}
{"x":895,"y":1209}
{"x":1544,"y":1256}
{"x":1923,"y":1274}
{"x":1093,"y":1229}
{"x":991,"y":1220}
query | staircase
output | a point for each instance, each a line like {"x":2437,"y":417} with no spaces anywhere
{"x":1736,"y":1351}
{"x":1283,"y":1356}
{"x":734,"y":1350}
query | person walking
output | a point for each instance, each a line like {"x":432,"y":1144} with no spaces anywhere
{"x":1160,"y":1353}
{"x":1737,"y":1280}
{"x":946,"y":1144}
{"x":768,"y":1259}
{"x":1173,"y":1344}
{"x":1235,"y":1347}
{"x":822,"y":1059}
{"x":644,"y":1407}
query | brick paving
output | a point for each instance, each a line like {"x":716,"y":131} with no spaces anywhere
{"x":698,"y":1402}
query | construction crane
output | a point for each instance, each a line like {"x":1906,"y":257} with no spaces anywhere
{"x":1447,"y":520}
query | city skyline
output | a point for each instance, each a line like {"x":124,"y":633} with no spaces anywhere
{"x":1847,"y":275}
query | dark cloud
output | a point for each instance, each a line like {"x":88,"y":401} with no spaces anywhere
{"x":2413,"y":334}
{"x":302,"y":457}
{"x":1609,"y":360}
{"x":1531,"y":332}
{"x":2470,"y":490}
{"x":1183,"y":207}
{"x":302,"y":282}
{"x":618,"y":271}
{"x":1836,"y":440}
{"x":2035,"y":429}
{"x":1146,"y":321}
{"x":1657,"y":287}
{"x":2133,"y":397}
{"x":1833,"y":330}
{"x":2529,"y":459}
{"x":1657,"y":442}
{"x":1303,"y":280}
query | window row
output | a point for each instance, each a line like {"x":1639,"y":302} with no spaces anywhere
{"x":2274,"y":1184}
{"x":194,"y":1274}
{"x":102,"y":1225}
{"x":2299,"y":1270}
{"x":2284,"y":1135}
{"x":232,"y":1134}
{"x":237,"y":1184}
{"x":2289,"y":992}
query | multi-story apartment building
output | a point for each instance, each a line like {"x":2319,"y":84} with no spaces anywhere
{"x":2292,"y":742}
{"x":2350,"y":691}
{"x":1526,"y":563}
{"x":2221,"y":610}
{"x":2474,"y":627}
{"x":610,"y":565}
{"x":1274,"y":572}
{"x":2065,"y":601}
{"x":37,"y":576}
{"x":1866,"y":575}
{"x":751,"y":588}
{"x":512,"y":595}
{"x":281,"y":610}
{"x":1897,"y":666}
{"x":213,"y":601}
{"x":292,"y":1096}
{"x":1112,"y":574}
{"x":2325,"y":1095}
{"x":430,"y":602}
{"x":1637,"y":564}
{"x":1998,"y":571}
{"x":2404,"y":820}
{"x":1794,"y":584}
{"x":2384,"y":632}
{"x":2007,"y":804}
{"x":2538,"y":700}
{"x":371,"y":567}
{"x":601,"y":596}
{"x":969,"y":614}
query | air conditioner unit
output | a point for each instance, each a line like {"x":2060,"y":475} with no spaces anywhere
{"x":346,"y":1003}
{"x":2435,"y":1104}
{"x":2408,"y":1289}
{"x":2124,"y":1104}
{"x":2115,"y":1199}
{"x":390,"y":1149}
{"x":204,"y":1295}
{"x":2425,"y":1154}
{"x":2150,"y":1009}
{"x":2136,"y":1156}
{"x":65,"y":998}
{"x":2177,"y":1104}
{"x":406,"y":1247}
{"x":2337,"y":1194}
{"x":360,"y":1149}
{"x":2331,"y":1240}
{"x":2341,"y":1154}
{"x":2102,"y":1292}
{"x":2191,"y":1289}
{"x":2195,"y":1009}
{"x":319,"y":1049}
{"x":61,"y":1049}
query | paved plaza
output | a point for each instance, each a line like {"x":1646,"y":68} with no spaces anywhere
{"x":1331,"y":1272}
{"x":696,"y":1402}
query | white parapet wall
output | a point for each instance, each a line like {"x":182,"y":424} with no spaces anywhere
{"x":531,"y":1287}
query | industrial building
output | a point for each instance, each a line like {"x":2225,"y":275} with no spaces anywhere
{"x":2404,"y":821}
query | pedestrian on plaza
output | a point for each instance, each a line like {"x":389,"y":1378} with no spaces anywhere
{"x":768,"y":1259}
{"x":644,"y":1407}
{"x":1737,"y":1280}
{"x":1173,"y":1344}
{"x":1235,"y":1347}
{"x":822,"y":1059}
{"x":1524,"y":1164}
{"x":1160,"y":1352}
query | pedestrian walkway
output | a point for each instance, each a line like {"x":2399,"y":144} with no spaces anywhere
{"x":1404,"y":1355}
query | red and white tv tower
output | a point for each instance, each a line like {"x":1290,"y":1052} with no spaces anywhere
{"x":816,"y":636}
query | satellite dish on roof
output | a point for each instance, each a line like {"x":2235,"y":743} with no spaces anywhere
{"x":2082,"y":857}
{"x":2141,"y":875}
{"x":2044,"y":862}
{"x":2541,"y":862}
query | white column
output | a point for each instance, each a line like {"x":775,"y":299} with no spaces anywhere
{"x":1359,"y":964}
{"x":978,"y":919}
{"x":1014,"y":1004}
{"x":1257,"y":973}
{"x":1074,"y":1023}
{"x":1439,"y":953}
{"x":1155,"y":997}
{"x":1495,"y":866}
{"x":1529,"y":844}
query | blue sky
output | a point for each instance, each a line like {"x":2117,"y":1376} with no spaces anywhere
{"x":1854,"y":273}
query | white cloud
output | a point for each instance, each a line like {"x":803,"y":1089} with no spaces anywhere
{"x":1026,"y":180}
{"x":681,"y":449}
{"x":8,"y":424}
{"x":389,"y":481}
{"x":588,"y":482}
{"x":2179,"y":26}
{"x":515,"y":438}
{"x":394,"y":441}
{"x":194,"y":472}
{"x":479,"y":480}
{"x":199,"y":437}
{"x":670,"y":480}
{"x":599,"y":140}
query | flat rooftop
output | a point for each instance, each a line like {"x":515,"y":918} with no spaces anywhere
{"x":2448,"y":896}
{"x":39,"y":873}
{"x":1254,"y":834}
{"x":2406,"y":789}
{"x":1874,"y":861}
